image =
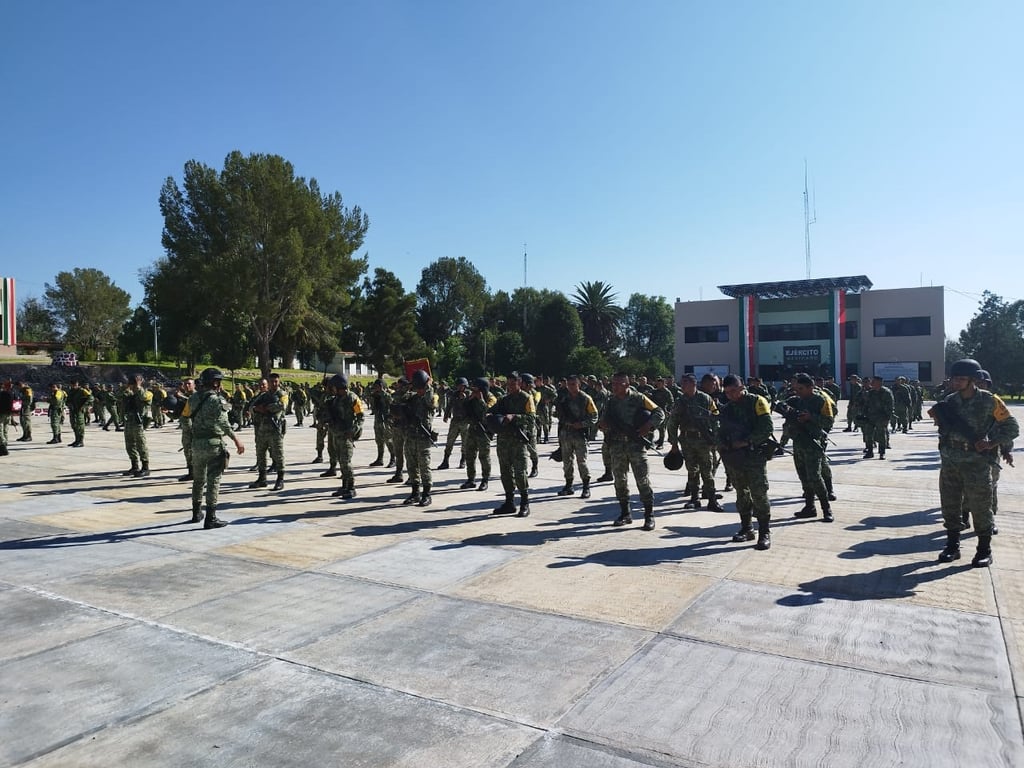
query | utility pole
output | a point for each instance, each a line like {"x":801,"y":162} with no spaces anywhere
{"x":808,"y":220}
{"x":524,"y":287}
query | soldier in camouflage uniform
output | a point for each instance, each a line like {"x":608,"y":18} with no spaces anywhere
{"x":185,"y":392}
{"x":972,"y":422}
{"x":527,"y":382}
{"x":745,"y":429}
{"x":380,"y":405}
{"x":455,"y":413}
{"x":577,"y":414}
{"x":478,"y":437}
{"x":399,"y":427}
{"x":902,"y":401}
{"x":299,"y":399}
{"x":853,"y":403}
{"x":664,"y":398}
{"x":268,"y":414}
{"x":210,"y":425}
{"x":600,"y":395}
{"x":6,"y":413}
{"x":136,"y":401}
{"x":875,"y":411}
{"x":548,"y":395}
{"x":810,"y":416}
{"x":514,"y":420}
{"x":692,"y":428}
{"x":79,"y":399}
{"x":56,"y":412}
{"x":28,"y":402}
{"x":419,"y":437}
{"x":345,"y":416}
{"x":626,"y":421}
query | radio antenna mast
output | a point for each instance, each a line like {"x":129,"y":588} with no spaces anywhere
{"x":524,"y":287}
{"x":808,"y":220}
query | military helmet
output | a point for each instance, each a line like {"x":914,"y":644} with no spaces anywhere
{"x":966,"y":367}
{"x":339,"y":380}
{"x":673,"y":460}
{"x":461,"y":382}
{"x":420,"y":378}
{"x":210,"y":375}
{"x":482,"y":384}
{"x":983,"y":375}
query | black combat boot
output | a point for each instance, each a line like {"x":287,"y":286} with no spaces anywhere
{"x":764,"y":536}
{"x":197,"y":512}
{"x":624,"y":517}
{"x":468,"y":485}
{"x":809,"y":510}
{"x":483,"y":485}
{"x":444,"y":462}
{"x":4,"y":451}
{"x":395,"y":478}
{"x":414,"y":497}
{"x":131,"y":472}
{"x":187,"y":476}
{"x":319,"y":458}
{"x":952,"y":550}
{"x":379,"y":461}
{"x":462,"y":462}
{"x":983,"y":557}
{"x":143,"y":470}
{"x":826,"y":512}
{"x":605,"y":477}
{"x":585,"y":493}
{"x":331,"y":471}
{"x":714,"y":505}
{"x":566,"y":490}
{"x":694,"y":502}
{"x":391,"y":460}
{"x":53,"y":441}
{"x":648,"y":516}
{"x":688,"y":488}
{"x":868,"y":454}
{"x":533,"y":469}
{"x":279,"y":484}
{"x":965,"y":519}
{"x":746,"y":532}
{"x":212,"y":521}
{"x":524,"y":504}
{"x":425,"y":496}
{"x":508,"y":508}
{"x":261,"y":481}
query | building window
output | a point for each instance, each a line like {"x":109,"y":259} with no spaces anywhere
{"x":794,"y":332}
{"x":851,"y":329}
{"x":706,"y":334}
{"x":903,"y":326}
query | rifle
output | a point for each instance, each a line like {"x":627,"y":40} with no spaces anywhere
{"x":819,"y":437}
{"x":945,"y":415}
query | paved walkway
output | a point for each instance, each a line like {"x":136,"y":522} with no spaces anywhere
{"x":313,"y":631}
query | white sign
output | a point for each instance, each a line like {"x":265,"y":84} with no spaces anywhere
{"x":890,"y":371}
{"x":719,"y":370}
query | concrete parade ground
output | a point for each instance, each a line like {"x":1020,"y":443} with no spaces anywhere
{"x":313,"y":631}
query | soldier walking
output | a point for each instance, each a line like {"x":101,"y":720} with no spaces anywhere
{"x":876,"y":410}
{"x":79,"y":399}
{"x":210,"y":425}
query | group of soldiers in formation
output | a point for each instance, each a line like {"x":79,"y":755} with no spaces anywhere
{"x":708,"y":423}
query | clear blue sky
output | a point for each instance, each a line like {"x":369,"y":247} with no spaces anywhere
{"x":657,"y":146}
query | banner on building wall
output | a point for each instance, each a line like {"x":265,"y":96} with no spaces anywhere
{"x":892,"y":371}
{"x":719,"y":370}
{"x":8,"y":324}
{"x":799,"y":357}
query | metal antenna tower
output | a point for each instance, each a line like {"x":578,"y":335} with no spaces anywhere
{"x":524,"y":287}
{"x":808,"y":220}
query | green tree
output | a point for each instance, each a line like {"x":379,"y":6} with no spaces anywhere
{"x":451,"y":296}
{"x":136,"y":340}
{"x":648,"y":328}
{"x":595,"y":302}
{"x":993,"y":338}
{"x":35,"y":322}
{"x":589,"y":361}
{"x":88,"y":308}
{"x":554,"y":335}
{"x":254,"y":242}
{"x":385,"y":316}
{"x":509,"y":352}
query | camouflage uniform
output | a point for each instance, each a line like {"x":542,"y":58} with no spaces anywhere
{"x":455,"y":414}
{"x":692,"y":425}
{"x":79,"y":399}
{"x":853,"y":405}
{"x":268,"y":415}
{"x":135,"y":402}
{"x":876,"y":409}
{"x":380,"y":404}
{"x":56,"y":412}
{"x":514,"y":435}
{"x":478,"y":438}
{"x":747,"y":421}
{"x":577,"y":415}
{"x":345,"y":416}
{"x":399,"y":427}
{"x":620,"y":421}
{"x":210,"y":425}
{"x":902,"y":403}
{"x":664,"y":398}
{"x":809,"y":440}
{"x":548,"y":395}
{"x":299,"y":397}
{"x":25,"y":417}
{"x":419,"y":438}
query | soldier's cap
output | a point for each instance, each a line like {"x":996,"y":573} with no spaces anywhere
{"x":339,"y":381}
{"x":461,"y":382}
{"x":688,"y":377}
{"x":526,"y":378}
{"x":482,"y":384}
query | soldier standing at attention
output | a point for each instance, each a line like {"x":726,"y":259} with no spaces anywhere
{"x":577,"y":414}
{"x":25,"y":416}
{"x":548,"y":394}
{"x":380,"y":405}
{"x":269,"y":408}
{"x":136,"y":400}
{"x":79,"y":399}
{"x":812,"y":418}
{"x":692,"y":429}
{"x":664,"y":398}
{"x":478,"y":438}
{"x":398,"y":428}
{"x":455,"y":412}
{"x":56,"y":411}
{"x":876,"y":410}
{"x":185,"y":392}
{"x":745,"y":426}
{"x":526,"y":383}
{"x":628,"y":417}
{"x":299,"y":397}
{"x":345,"y":417}
{"x":853,"y":403}
{"x":210,"y":425}
{"x":902,"y":401}
{"x":156,"y":402}
{"x":513,"y":417}
{"x":419,"y":418}
{"x":972,"y":422}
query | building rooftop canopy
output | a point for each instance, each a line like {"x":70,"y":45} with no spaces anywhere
{"x":789,"y":289}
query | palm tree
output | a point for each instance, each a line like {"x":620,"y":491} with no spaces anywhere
{"x":599,"y":314}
